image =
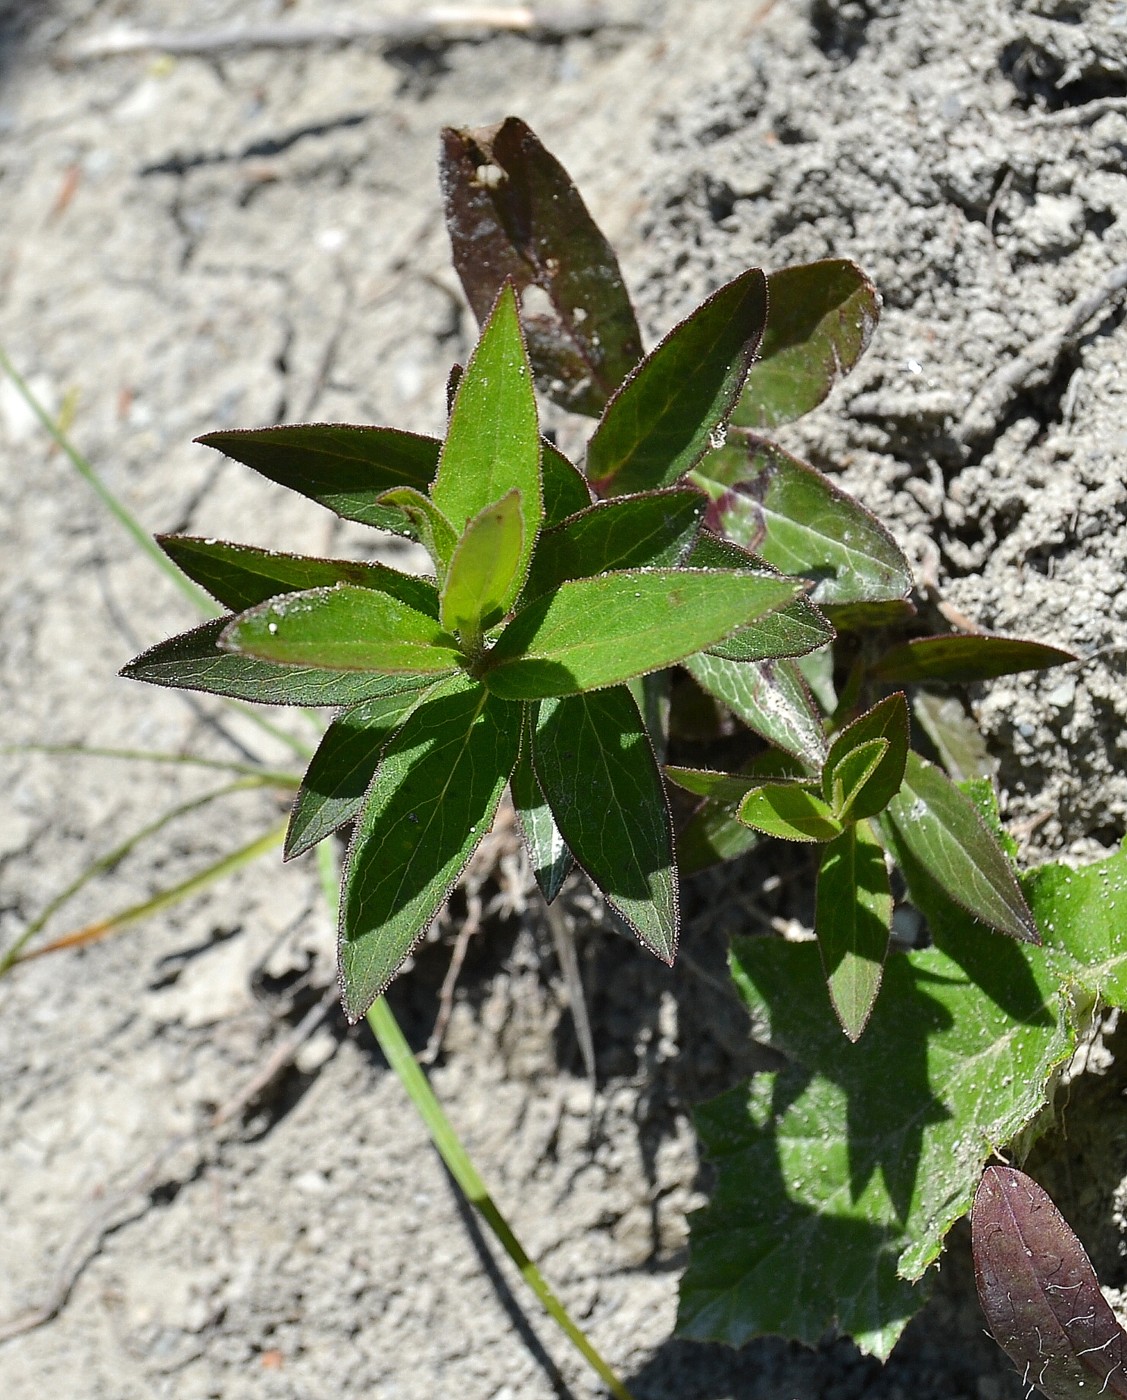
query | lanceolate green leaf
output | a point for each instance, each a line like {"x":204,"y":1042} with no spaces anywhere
{"x":820,"y":320}
{"x":432,"y":800}
{"x":342,"y":467}
{"x":633,"y":532}
{"x":797,"y":519}
{"x":659,"y":424}
{"x":240,"y":576}
{"x":599,"y":631}
{"x":978,"y":657}
{"x":343,"y":628}
{"x":852,"y":919}
{"x":771,"y":698}
{"x":791,"y":811}
{"x":428,"y":524}
{"x":493,"y":442}
{"x":595,"y":766}
{"x":547,"y":850}
{"x":705,"y":782}
{"x":192,"y":661}
{"x":512,"y":212}
{"x":887,"y":721}
{"x":484,"y":576}
{"x":338,"y":775}
{"x":937,"y":835}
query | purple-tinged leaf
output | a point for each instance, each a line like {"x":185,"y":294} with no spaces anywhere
{"x":1040,"y":1294}
{"x":240,"y":576}
{"x":192,"y":661}
{"x":332,"y":790}
{"x":667,"y":413}
{"x":512,"y":212}
{"x":565,"y":486}
{"x":822,"y":316}
{"x":965,"y":658}
{"x":342,"y":467}
{"x":778,"y":506}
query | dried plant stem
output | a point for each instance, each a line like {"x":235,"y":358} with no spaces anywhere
{"x":438,"y":23}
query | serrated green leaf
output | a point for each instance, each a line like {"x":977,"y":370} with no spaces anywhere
{"x":864,"y":1156}
{"x":886,"y":721}
{"x":599,"y":631}
{"x":820,"y":320}
{"x":781,"y":508}
{"x":484,"y":577}
{"x":492,"y":443}
{"x":791,"y":811}
{"x":861,"y":1157}
{"x":341,"y":467}
{"x":771,"y":698}
{"x":342,"y":628}
{"x":655,"y":530}
{"x":660,"y":422}
{"x":513,"y":212}
{"x":937,"y":834}
{"x":332,"y":790}
{"x":965,"y":658}
{"x":428,"y":524}
{"x":239,"y":576}
{"x":596,"y":767}
{"x":565,"y":487}
{"x":852,"y":920}
{"x":548,"y":854}
{"x":192,"y":661}
{"x":432,"y":800}
{"x":1082,"y":913}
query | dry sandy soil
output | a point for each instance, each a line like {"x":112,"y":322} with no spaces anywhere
{"x":194,"y":244}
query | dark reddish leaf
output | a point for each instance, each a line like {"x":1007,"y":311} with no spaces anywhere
{"x":1040,"y":1293}
{"x":976,"y":657}
{"x":513,"y":212}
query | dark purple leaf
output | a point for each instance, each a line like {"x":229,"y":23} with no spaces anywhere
{"x":1040,"y":1294}
{"x":964,"y":658}
{"x":513,"y":212}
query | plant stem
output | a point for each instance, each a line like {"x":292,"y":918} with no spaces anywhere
{"x":402,"y":1060}
{"x":141,"y":538}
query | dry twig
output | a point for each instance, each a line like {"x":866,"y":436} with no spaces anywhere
{"x":440,"y":23}
{"x":115,"y":1211}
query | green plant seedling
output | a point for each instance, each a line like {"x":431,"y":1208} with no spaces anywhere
{"x":516,"y":655}
{"x":693,"y":582}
